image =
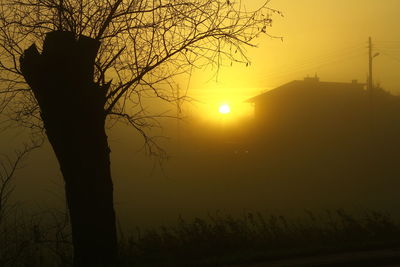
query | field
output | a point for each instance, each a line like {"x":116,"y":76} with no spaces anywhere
{"x":219,"y":240}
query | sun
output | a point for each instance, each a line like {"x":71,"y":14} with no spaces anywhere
{"x":224,"y":109}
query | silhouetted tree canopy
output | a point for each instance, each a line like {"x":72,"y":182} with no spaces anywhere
{"x":86,"y":61}
{"x":144,"y":44}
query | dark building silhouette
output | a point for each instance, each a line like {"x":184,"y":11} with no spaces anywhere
{"x":337,"y":137}
{"x":307,"y":92}
{"x":311,"y":103}
{"x":324,"y":108}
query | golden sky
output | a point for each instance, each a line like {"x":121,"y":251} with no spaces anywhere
{"x":323,"y":37}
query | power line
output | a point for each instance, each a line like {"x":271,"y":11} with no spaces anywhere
{"x":315,"y":64}
{"x":330,"y":55}
{"x":397,"y":42}
{"x":388,"y":45}
{"x":391,"y":56}
{"x":385,"y":50}
{"x":338,"y":55}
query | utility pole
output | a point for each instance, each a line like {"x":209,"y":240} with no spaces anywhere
{"x":370,"y":87}
{"x":371,"y":57}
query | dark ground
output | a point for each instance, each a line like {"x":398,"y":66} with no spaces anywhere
{"x":383,"y":257}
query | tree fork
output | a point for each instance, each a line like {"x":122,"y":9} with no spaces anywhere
{"x":72,"y":109}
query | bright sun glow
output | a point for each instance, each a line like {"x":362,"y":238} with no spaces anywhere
{"x":224,"y":109}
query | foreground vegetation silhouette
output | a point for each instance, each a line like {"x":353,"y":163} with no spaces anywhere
{"x":218,"y":240}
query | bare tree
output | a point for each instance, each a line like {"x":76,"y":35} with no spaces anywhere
{"x":8,"y":168}
{"x":97,"y":60}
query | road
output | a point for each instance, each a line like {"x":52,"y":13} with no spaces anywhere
{"x":384,"y":257}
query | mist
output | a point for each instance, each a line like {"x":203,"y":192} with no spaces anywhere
{"x":323,"y":158}
{"x":225,"y":121}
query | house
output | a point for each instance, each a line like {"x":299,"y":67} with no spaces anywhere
{"x":314,"y":115}
{"x":313,"y":105}
{"x":329,"y":137}
{"x":308,"y":96}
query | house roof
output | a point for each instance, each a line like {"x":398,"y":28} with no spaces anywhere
{"x":310,"y":85}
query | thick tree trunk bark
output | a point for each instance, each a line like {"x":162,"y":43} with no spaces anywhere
{"x":72,"y":109}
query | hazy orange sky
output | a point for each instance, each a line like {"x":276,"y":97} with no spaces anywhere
{"x":327,"y":38}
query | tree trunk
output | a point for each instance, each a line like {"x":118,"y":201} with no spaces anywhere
{"x":72,"y":109}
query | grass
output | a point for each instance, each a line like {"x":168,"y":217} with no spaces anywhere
{"x":223,"y":239}
{"x":217,"y":240}
{"x":40,"y":240}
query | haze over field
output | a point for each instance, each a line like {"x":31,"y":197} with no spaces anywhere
{"x":214,"y":162}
